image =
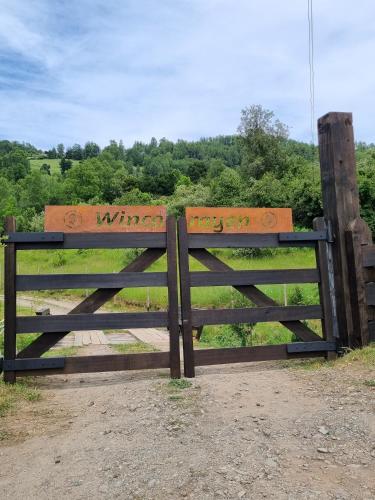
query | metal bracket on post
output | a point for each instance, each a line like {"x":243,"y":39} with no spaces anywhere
{"x":331,"y":279}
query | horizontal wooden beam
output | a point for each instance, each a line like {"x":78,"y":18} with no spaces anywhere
{"x":368,"y":255}
{"x":204,"y":357}
{"x":255,"y":315}
{"x":108,"y":363}
{"x":19,"y":237}
{"x":33,"y":364}
{"x":263,"y":277}
{"x":370,"y":294}
{"x":252,"y":240}
{"x":77,"y":322}
{"x":112,"y":280}
{"x":304,"y":236}
{"x":95,"y":240}
{"x":371,"y":331}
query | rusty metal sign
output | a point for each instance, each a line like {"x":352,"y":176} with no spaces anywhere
{"x":238,"y":220}
{"x":105,"y":219}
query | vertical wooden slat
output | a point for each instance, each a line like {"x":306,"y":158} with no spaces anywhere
{"x":357,"y":236}
{"x":340,"y":203}
{"x":10,"y":300}
{"x":187,"y":331}
{"x":326,"y":287}
{"x":174,"y":341}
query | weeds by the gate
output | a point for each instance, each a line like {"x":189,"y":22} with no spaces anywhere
{"x":362,"y":357}
{"x":13,"y":394}
{"x":133,"y":347}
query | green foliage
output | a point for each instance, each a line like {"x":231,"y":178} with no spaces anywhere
{"x":296,"y":298}
{"x":259,"y":167}
{"x":179,"y":383}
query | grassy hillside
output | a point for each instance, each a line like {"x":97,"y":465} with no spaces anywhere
{"x":54,"y":164}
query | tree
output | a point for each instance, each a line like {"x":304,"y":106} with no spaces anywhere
{"x":45,"y":168}
{"x":14,"y":165}
{"x":60,"y":150}
{"x":91,"y":150}
{"x":134,"y":197}
{"x":75,"y":152}
{"x":262,"y":137}
{"x":193,"y":195}
{"x":65,"y":165}
{"x":226,"y":190}
{"x":83,"y":182}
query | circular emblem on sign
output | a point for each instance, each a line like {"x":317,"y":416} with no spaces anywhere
{"x":269,"y":219}
{"x":72,"y":219}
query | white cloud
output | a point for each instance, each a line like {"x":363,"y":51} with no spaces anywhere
{"x":178,"y":68}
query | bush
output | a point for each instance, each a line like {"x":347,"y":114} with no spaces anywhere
{"x":58,"y":259}
{"x":253,"y":253}
{"x":296,"y":298}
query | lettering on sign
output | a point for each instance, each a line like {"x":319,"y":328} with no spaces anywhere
{"x":238,"y":220}
{"x":105,"y":219}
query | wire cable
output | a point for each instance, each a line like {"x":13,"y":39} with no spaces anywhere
{"x":310,"y":19}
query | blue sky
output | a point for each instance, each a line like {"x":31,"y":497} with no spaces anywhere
{"x":72,"y":71}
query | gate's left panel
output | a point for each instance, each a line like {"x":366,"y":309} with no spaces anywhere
{"x":150,"y":230}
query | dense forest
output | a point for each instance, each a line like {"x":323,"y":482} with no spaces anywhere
{"x":259,"y":166}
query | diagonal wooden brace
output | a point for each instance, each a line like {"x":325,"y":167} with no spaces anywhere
{"x":91,"y":304}
{"x":254,"y":294}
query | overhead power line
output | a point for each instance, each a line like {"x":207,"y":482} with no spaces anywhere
{"x":310,"y":19}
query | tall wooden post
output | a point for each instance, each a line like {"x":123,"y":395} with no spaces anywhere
{"x":340,"y":205}
{"x":10,"y":300}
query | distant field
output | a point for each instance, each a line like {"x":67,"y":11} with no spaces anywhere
{"x":54,"y":164}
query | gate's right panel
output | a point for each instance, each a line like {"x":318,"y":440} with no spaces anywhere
{"x":199,"y":232}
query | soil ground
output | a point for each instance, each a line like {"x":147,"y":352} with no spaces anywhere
{"x":239,"y":431}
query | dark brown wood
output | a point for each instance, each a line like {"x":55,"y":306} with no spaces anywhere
{"x":107,"y":363}
{"x":173,"y":324}
{"x":186,"y":327}
{"x":369,"y":256}
{"x":255,"y":240}
{"x":269,"y":276}
{"x":317,"y":235}
{"x":254,"y":294}
{"x":326,"y":287}
{"x":91,"y":304}
{"x":356,"y":236}
{"x":340,"y":203}
{"x":77,"y":322}
{"x":66,"y":281}
{"x":255,"y":315}
{"x":371,"y":329}
{"x":248,"y":354}
{"x":370,"y":294}
{"x":20,"y":237}
{"x":99,"y":240}
{"x":10,"y":300}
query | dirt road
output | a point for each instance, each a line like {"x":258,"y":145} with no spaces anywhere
{"x":245,"y":431}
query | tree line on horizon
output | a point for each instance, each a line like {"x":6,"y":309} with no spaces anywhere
{"x":260,"y":166}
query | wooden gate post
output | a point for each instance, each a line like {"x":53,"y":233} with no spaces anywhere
{"x":340,"y":205}
{"x":10,"y":300}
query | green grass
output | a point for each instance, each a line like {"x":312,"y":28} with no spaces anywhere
{"x":364,"y":358}
{"x":54,"y":164}
{"x":179,"y":384}
{"x":13,"y":394}
{"x":63,"y":352}
{"x":107,"y":261}
{"x":370,"y":383}
{"x":133,"y":348}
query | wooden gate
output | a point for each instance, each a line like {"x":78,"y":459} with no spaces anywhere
{"x":195,"y":243}
{"x":28,"y":361}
